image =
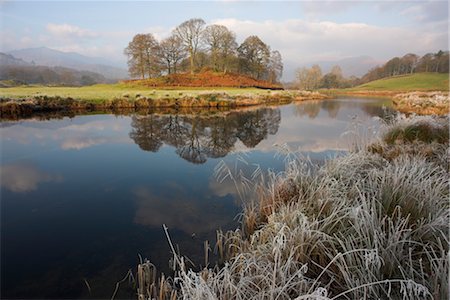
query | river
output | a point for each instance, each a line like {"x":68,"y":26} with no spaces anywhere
{"x":82,"y":197}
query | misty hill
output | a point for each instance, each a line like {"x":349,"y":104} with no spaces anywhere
{"x":14,"y":71}
{"x":9,"y":60}
{"x":44,"y":56}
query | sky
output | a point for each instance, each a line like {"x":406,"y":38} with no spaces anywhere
{"x":303,"y":31}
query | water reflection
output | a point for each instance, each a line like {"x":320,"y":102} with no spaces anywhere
{"x":85,"y":183}
{"x":197,"y":138}
{"x":309,"y":108}
{"x":371,"y":107}
{"x":25,"y":177}
{"x":181,"y":209}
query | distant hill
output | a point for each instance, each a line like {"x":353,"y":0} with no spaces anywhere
{"x":44,"y":56}
{"x":9,"y":60}
{"x":204,"y":79}
{"x":14,"y":71}
{"x":413,"y":82}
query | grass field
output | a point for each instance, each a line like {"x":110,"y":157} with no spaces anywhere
{"x":102,"y":92}
{"x":407,"y":83}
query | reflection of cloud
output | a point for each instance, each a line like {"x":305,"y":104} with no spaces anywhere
{"x":322,"y":133}
{"x":224,"y":188}
{"x":88,"y":126}
{"x":178,"y":208}
{"x":24,"y":177}
{"x":80,"y":133}
{"x":79,"y":143}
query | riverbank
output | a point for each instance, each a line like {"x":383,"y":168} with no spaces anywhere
{"x":421,"y":93}
{"x":13,"y":106}
{"x":417,"y":102}
{"x":371,"y":224}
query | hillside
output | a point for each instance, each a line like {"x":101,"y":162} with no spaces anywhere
{"x":204,"y":79}
{"x":406,"y":83}
{"x":9,"y":60}
{"x":44,"y":56}
{"x":52,"y":76}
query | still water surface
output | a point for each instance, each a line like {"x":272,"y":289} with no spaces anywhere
{"x":82,"y":197}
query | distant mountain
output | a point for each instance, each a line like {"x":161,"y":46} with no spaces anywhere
{"x":9,"y":60}
{"x":44,"y":56}
{"x":14,"y":71}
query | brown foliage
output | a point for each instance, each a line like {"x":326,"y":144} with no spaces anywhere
{"x":206,"y":79}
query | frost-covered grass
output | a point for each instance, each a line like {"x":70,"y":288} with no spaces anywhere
{"x":362,"y":226}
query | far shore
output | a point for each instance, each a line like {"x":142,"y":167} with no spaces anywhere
{"x":25,"y":101}
{"x":16,"y":106}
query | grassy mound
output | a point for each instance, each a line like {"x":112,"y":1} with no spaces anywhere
{"x":413,"y":82}
{"x":204,"y":79}
{"x":363,"y":226}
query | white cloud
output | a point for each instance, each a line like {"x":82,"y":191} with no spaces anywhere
{"x":70,"y":31}
{"x":302,"y":41}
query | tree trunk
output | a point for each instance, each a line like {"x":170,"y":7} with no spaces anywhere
{"x":191,"y":59}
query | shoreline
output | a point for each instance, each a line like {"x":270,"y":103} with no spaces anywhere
{"x":11,"y":108}
{"x":412,"y":102}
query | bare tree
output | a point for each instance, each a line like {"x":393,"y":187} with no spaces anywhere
{"x":172,"y":52}
{"x":221,"y":44}
{"x":142,"y":54}
{"x":409,"y":62}
{"x":275,"y":68}
{"x":190,"y":32}
{"x":254,"y":56}
{"x":309,"y":79}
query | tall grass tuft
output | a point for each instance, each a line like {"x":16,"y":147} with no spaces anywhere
{"x":363,"y":226}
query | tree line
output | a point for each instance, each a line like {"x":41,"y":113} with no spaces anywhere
{"x":410,"y":63}
{"x":193,"y":46}
{"x":312,"y":78}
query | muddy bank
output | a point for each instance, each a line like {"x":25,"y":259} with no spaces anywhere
{"x":19,"y":108}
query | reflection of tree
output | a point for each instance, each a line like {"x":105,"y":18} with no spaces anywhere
{"x":254,"y":126}
{"x":146,"y":133}
{"x":196,"y":138}
{"x":332,"y":107}
{"x":309,"y":108}
{"x":384,"y":113}
{"x":192,"y":146}
{"x":222,"y":136}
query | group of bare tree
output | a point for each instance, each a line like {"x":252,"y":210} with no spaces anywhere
{"x":194,"y":46}
{"x":312,"y":78}
{"x":410,"y":63}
